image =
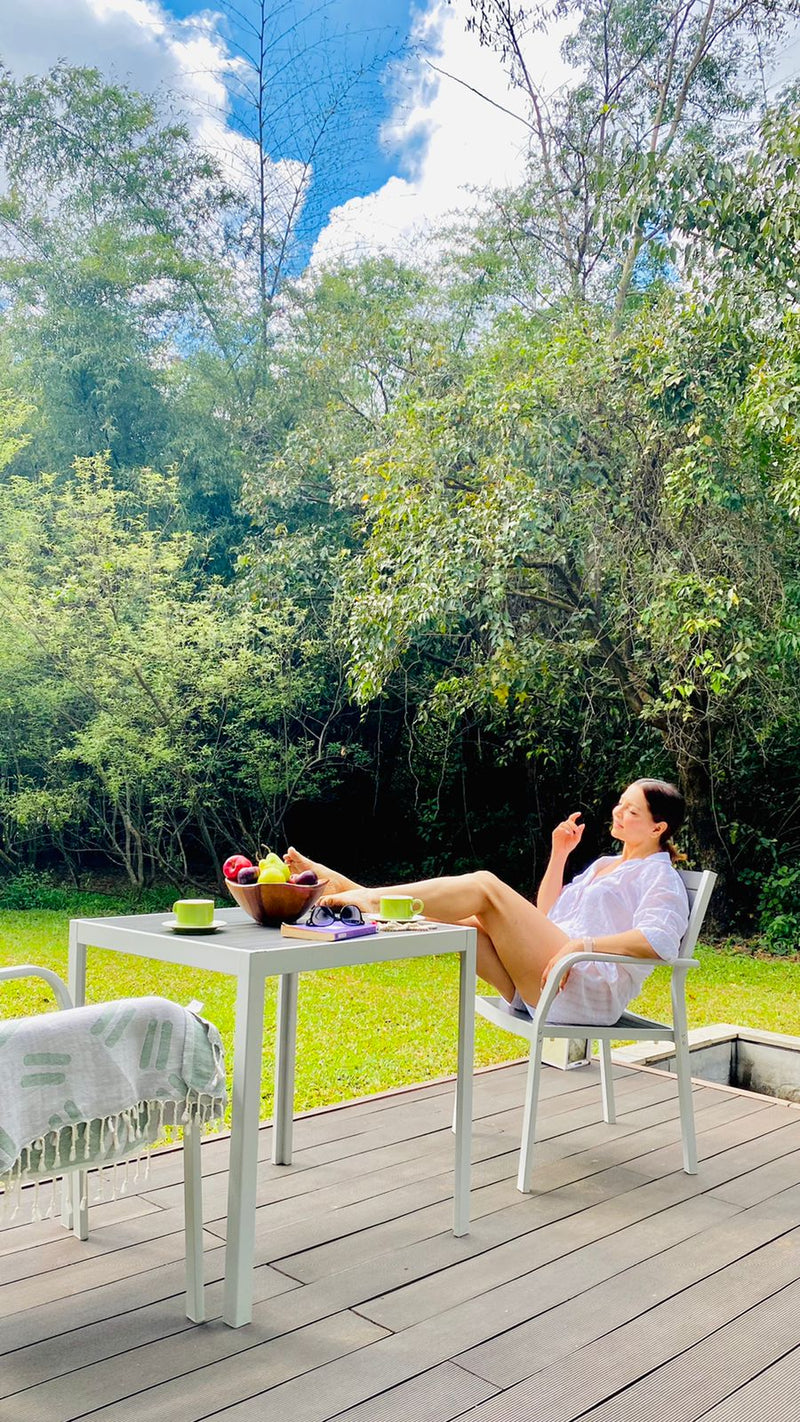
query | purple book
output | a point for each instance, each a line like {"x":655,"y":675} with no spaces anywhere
{"x":331,"y":933}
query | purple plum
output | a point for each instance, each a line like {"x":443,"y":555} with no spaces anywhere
{"x":306,"y":877}
{"x":248,"y":875}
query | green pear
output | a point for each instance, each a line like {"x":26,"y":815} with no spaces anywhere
{"x":272,"y":874}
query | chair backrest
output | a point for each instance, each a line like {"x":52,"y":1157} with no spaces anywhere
{"x":699,"y":888}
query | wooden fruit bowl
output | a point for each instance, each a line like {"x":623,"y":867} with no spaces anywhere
{"x":273,"y":904}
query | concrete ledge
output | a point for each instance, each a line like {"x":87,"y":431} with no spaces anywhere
{"x":729,"y":1055}
{"x":648,"y":1053}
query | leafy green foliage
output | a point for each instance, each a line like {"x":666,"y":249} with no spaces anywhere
{"x":164,"y":705}
{"x":779,"y":909}
{"x":561,"y":509}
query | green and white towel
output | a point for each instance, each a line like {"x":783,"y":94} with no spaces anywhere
{"x":94,"y":1084}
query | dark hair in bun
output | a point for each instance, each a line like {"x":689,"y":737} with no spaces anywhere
{"x":665,"y":802}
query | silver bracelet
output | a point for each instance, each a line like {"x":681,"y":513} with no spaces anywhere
{"x":588,"y":945}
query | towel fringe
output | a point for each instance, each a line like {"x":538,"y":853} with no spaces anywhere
{"x":126,"y":1138}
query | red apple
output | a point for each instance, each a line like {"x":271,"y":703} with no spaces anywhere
{"x":234,"y":863}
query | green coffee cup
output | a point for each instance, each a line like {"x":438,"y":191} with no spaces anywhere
{"x":194,"y":913}
{"x":400,"y":907}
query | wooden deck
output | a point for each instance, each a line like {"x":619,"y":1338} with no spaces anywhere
{"x":621,"y":1291}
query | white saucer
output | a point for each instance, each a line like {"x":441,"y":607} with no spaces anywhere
{"x":396,"y":922}
{"x":184,"y":928}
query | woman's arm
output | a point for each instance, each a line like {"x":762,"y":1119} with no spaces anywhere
{"x":631,"y":943}
{"x":566,"y":837}
{"x":552,"y":883}
{"x":660,"y":915}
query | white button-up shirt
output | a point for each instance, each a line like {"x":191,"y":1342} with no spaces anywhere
{"x":647,"y":894}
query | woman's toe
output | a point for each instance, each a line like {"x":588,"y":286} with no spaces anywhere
{"x":297,"y":862}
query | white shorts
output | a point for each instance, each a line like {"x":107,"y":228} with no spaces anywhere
{"x":593,"y":996}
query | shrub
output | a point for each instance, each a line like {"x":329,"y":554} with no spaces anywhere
{"x":779,"y":910}
{"x":30,"y":890}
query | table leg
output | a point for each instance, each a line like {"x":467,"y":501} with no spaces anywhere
{"x":193,"y":1216}
{"x":74,"y":1214}
{"x":285,"y":1050}
{"x":247,"y":1047}
{"x":76,"y":971}
{"x":463,"y":1112}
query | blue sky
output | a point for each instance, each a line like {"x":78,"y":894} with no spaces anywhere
{"x":405,"y":147}
{"x":404,"y":144}
{"x":333,"y":40}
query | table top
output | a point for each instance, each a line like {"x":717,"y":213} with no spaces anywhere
{"x":242,"y":944}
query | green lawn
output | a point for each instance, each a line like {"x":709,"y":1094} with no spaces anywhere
{"x":362,"y":1030}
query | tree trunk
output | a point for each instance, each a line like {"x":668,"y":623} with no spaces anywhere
{"x":703,"y":830}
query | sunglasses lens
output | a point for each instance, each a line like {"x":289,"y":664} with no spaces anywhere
{"x":321,"y":916}
{"x":351,"y":913}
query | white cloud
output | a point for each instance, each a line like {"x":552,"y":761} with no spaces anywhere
{"x":139,"y":43}
{"x":133,"y":38}
{"x":453,"y":140}
{"x":447,"y":138}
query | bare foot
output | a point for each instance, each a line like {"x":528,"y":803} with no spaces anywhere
{"x":368,"y":900}
{"x":298,"y":863}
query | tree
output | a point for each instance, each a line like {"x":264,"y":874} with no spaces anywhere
{"x":578,"y":509}
{"x":299,"y":87}
{"x":566,"y":501}
{"x":133,"y":195}
{"x":656,"y":85}
{"x":146,"y":715}
{"x":117,"y":279}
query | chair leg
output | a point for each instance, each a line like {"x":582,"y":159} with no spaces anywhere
{"x":75,"y":1204}
{"x":529,"y":1117}
{"x":607,"y":1081}
{"x":193,"y":1221}
{"x":683,"y":1072}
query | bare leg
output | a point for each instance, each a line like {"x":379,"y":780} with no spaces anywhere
{"x":490,"y":968}
{"x":338,"y":882}
{"x":522,"y":938}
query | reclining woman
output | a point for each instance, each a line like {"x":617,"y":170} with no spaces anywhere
{"x":633,"y":903}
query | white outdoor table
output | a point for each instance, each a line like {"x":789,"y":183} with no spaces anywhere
{"x":251,"y":954}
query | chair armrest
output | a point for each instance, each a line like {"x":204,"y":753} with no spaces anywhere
{"x":26,"y":970}
{"x":670,"y":963}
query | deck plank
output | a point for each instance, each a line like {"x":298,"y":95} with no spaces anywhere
{"x":585,"y":1374}
{"x":772,"y":1396}
{"x":438,"y":1395}
{"x":697,"y":1379}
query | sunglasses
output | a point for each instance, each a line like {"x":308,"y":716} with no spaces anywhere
{"x":321,"y":916}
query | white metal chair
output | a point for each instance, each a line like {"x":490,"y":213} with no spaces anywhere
{"x":45,"y":1161}
{"x":630,"y":1026}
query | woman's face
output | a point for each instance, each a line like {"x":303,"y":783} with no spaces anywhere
{"x":632,"y":822}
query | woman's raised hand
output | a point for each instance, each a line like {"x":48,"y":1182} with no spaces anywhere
{"x":568,"y":834}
